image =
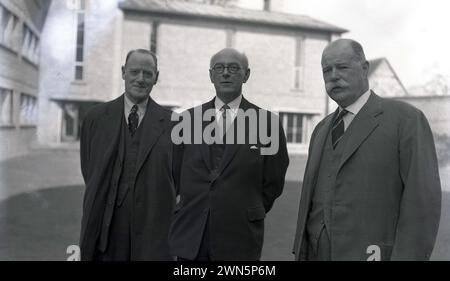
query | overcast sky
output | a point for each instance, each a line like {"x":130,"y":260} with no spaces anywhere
{"x":411,"y":34}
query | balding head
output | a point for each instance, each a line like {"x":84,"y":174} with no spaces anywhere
{"x":228,"y":71}
{"x":350,"y":45}
{"x":345,"y":71}
{"x":230,"y":52}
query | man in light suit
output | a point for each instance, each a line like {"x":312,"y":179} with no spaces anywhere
{"x":126,"y":162}
{"x":227,"y":187}
{"x":371,"y":189}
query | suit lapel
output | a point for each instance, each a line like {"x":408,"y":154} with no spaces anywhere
{"x":111,"y":125}
{"x":319,"y":143}
{"x":317,"y":147}
{"x":154,"y":124}
{"x":362,"y":126}
{"x":204,"y":148}
{"x":231,"y":149}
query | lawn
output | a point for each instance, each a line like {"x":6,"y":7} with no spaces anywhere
{"x":41,"y":225}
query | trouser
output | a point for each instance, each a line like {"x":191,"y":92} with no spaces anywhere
{"x":119,"y":237}
{"x":204,"y":249}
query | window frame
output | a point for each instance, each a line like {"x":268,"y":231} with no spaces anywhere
{"x":28,"y":113}
{"x":305,"y":127}
{"x":80,"y":42}
{"x":9,"y":109}
{"x":298,"y":66}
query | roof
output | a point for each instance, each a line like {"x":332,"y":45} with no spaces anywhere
{"x":373,"y":65}
{"x":425,"y":97}
{"x":232,"y":14}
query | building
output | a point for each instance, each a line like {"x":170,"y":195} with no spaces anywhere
{"x":383,"y":79}
{"x":435,"y":108}
{"x":85,"y":44}
{"x":430,"y":100}
{"x":21,"y":23}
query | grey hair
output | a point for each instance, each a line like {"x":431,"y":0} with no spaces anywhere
{"x":143,"y":51}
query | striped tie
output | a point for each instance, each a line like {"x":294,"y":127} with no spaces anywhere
{"x":224,"y":118}
{"x":338,"y":128}
{"x":133,"y":120}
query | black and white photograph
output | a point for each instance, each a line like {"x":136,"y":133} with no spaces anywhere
{"x":224,"y":130}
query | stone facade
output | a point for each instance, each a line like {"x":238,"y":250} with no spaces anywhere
{"x":20,"y":31}
{"x":284,"y":61}
{"x":435,"y":108}
{"x":383,"y":79}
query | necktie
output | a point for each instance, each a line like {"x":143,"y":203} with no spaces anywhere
{"x":224,"y":118}
{"x":338,"y":128}
{"x":133,"y":119}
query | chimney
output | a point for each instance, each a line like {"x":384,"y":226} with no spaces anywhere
{"x":273,"y":6}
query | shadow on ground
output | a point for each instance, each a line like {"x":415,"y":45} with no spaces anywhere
{"x":41,"y":225}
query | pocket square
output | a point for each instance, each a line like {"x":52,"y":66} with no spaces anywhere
{"x":253,"y":147}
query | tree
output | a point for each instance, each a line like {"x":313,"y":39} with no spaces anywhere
{"x":437,"y":85}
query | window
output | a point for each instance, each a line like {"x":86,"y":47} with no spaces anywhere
{"x":296,"y":126}
{"x":30,"y":45}
{"x":70,"y":125}
{"x":6,"y":106}
{"x":298,"y":64}
{"x":28,"y":109}
{"x":79,"y":49}
{"x":154,"y":37}
{"x":9,"y":28}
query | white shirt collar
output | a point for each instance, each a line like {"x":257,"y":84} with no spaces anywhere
{"x":355,"y":107}
{"x":141,"y":106}
{"x":128,"y":104}
{"x":234,"y":104}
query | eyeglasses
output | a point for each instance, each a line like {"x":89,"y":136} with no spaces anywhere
{"x":220,"y":68}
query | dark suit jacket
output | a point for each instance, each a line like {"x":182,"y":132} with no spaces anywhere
{"x":154,"y":191}
{"x":387,"y":190}
{"x":237,"y":197}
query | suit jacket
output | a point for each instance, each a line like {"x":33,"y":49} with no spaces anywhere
{"x":237,"y":198}
{"x":154,"y":191}
{"x":387,"y":191}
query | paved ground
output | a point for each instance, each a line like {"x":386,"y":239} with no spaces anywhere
{"x":41,"y":209}
{"x":40,"y":169}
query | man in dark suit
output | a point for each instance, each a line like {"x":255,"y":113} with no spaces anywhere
{"x":226,"y":187}
{"x":371,"y":189}
{"x":126,"y":160}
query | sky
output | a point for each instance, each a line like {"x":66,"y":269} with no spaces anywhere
{"x":411,"y":34}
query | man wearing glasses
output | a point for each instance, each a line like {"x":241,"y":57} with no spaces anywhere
{"x":226,"y":187}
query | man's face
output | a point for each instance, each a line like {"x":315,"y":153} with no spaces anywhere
{"x":344,"y":74}
{"x":227,"y":73}
{"x":140,"y":75}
